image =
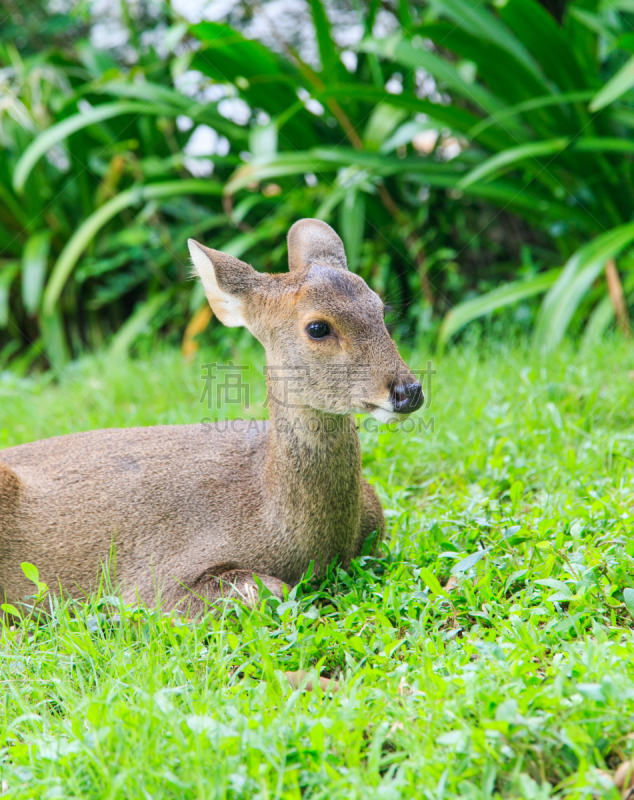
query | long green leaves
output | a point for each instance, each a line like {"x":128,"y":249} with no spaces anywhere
{"x":462,"y":314}
{"x":34,"y":258}
{"x":615,"y":87}
{"x":466,"y":113}
{"x":93,"y":224}
{"x":56,"y":134}
{"x":578,"y":275}
{"x":581,"y":163}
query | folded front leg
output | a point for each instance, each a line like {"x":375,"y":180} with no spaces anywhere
{"x":217,"y":583}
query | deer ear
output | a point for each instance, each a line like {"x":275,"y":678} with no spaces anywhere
{"x":227,"y":282}
{"x":311,"y":240}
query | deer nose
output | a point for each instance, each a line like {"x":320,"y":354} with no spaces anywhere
{"x":407,"y":397}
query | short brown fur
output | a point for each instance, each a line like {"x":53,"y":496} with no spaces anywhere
{"x":194,"y":511}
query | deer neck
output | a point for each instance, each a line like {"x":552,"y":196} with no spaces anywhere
{"x":313,"y":466}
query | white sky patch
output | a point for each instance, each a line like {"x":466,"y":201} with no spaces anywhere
{"x":202,"y":143}
{"x":184,"y":123}
{"x":107,"y":35}
{"x":395,"y":84}
{"x":349,"y":60}
{"x":314,"y":106}
{"x":235,"y":109}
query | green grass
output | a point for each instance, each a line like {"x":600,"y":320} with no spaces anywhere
{"x":516,"y":682}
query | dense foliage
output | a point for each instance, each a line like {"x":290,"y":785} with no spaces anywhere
{"x":457,"y":147}
{"x":487,"y":653}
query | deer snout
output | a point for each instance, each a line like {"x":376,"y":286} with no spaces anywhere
{"x":407,"y":397}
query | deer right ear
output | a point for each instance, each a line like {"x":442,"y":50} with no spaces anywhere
{"x":227,"y":282}
{"x":314,"y":241}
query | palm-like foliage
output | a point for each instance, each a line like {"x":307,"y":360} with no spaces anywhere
{"x":542,"y":134}
{"x":466,"y":106}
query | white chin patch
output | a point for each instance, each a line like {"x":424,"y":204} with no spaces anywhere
{"x":384,"y":416}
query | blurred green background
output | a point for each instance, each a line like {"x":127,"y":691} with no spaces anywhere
{"x":476,"y":157}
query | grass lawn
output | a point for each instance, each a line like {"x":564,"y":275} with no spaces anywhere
{"x":515,"y":679}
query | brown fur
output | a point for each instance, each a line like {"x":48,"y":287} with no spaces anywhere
{"x":194,"y":511}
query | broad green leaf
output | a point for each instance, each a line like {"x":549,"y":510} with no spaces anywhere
{"x":263,"y":78}
{"x":432,"y":582}
{"x":380,"y":125}
{"x":515,"y":155}
{"x":615,"y":87}
{"x":9,"y":609}
{"x":576,"y":278}
{"x":545,"y":41}
{"x":30,"y":571}
{"x":139,"y":90}
{"x":509,"y":294}
{"x":324,"y":160}
{"x":552,"y":583}
{"x":496,"y":68}
{"x":165,"y":95}
{"x":95,"y":222}
{"x":62,"y":130}
{"x":516,"y":492}
{"x":54,"y":338}
{"x":468,"y":562}
{"x":34,"y":260}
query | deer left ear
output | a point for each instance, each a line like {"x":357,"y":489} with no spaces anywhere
{"x":227,"y":282}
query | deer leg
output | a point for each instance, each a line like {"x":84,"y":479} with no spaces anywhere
{"x":223,"y":581}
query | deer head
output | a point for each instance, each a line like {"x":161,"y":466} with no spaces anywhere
{"x":321,"y":325}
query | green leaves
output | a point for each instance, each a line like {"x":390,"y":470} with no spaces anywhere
{"x":577,"y":276}
{"x":34,"y":261}
{"x":511,"y":157}
{"x":617,"y":85}
{"x":32,"y":574}
{"x":464,"y":112}
{"x":56,"y":134}
{"x":93,"y":224}
{"x":513,"y":292}
{"x":628,"y":597}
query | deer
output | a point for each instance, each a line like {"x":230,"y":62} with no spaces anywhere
{"x":195,"y":513}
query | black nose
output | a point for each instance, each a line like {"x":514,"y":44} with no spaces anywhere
{"x":407,"y":397}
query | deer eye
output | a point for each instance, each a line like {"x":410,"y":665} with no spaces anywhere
{"x":317,"y":330}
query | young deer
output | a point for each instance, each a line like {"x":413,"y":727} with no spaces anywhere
{"x":193,"y":511}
